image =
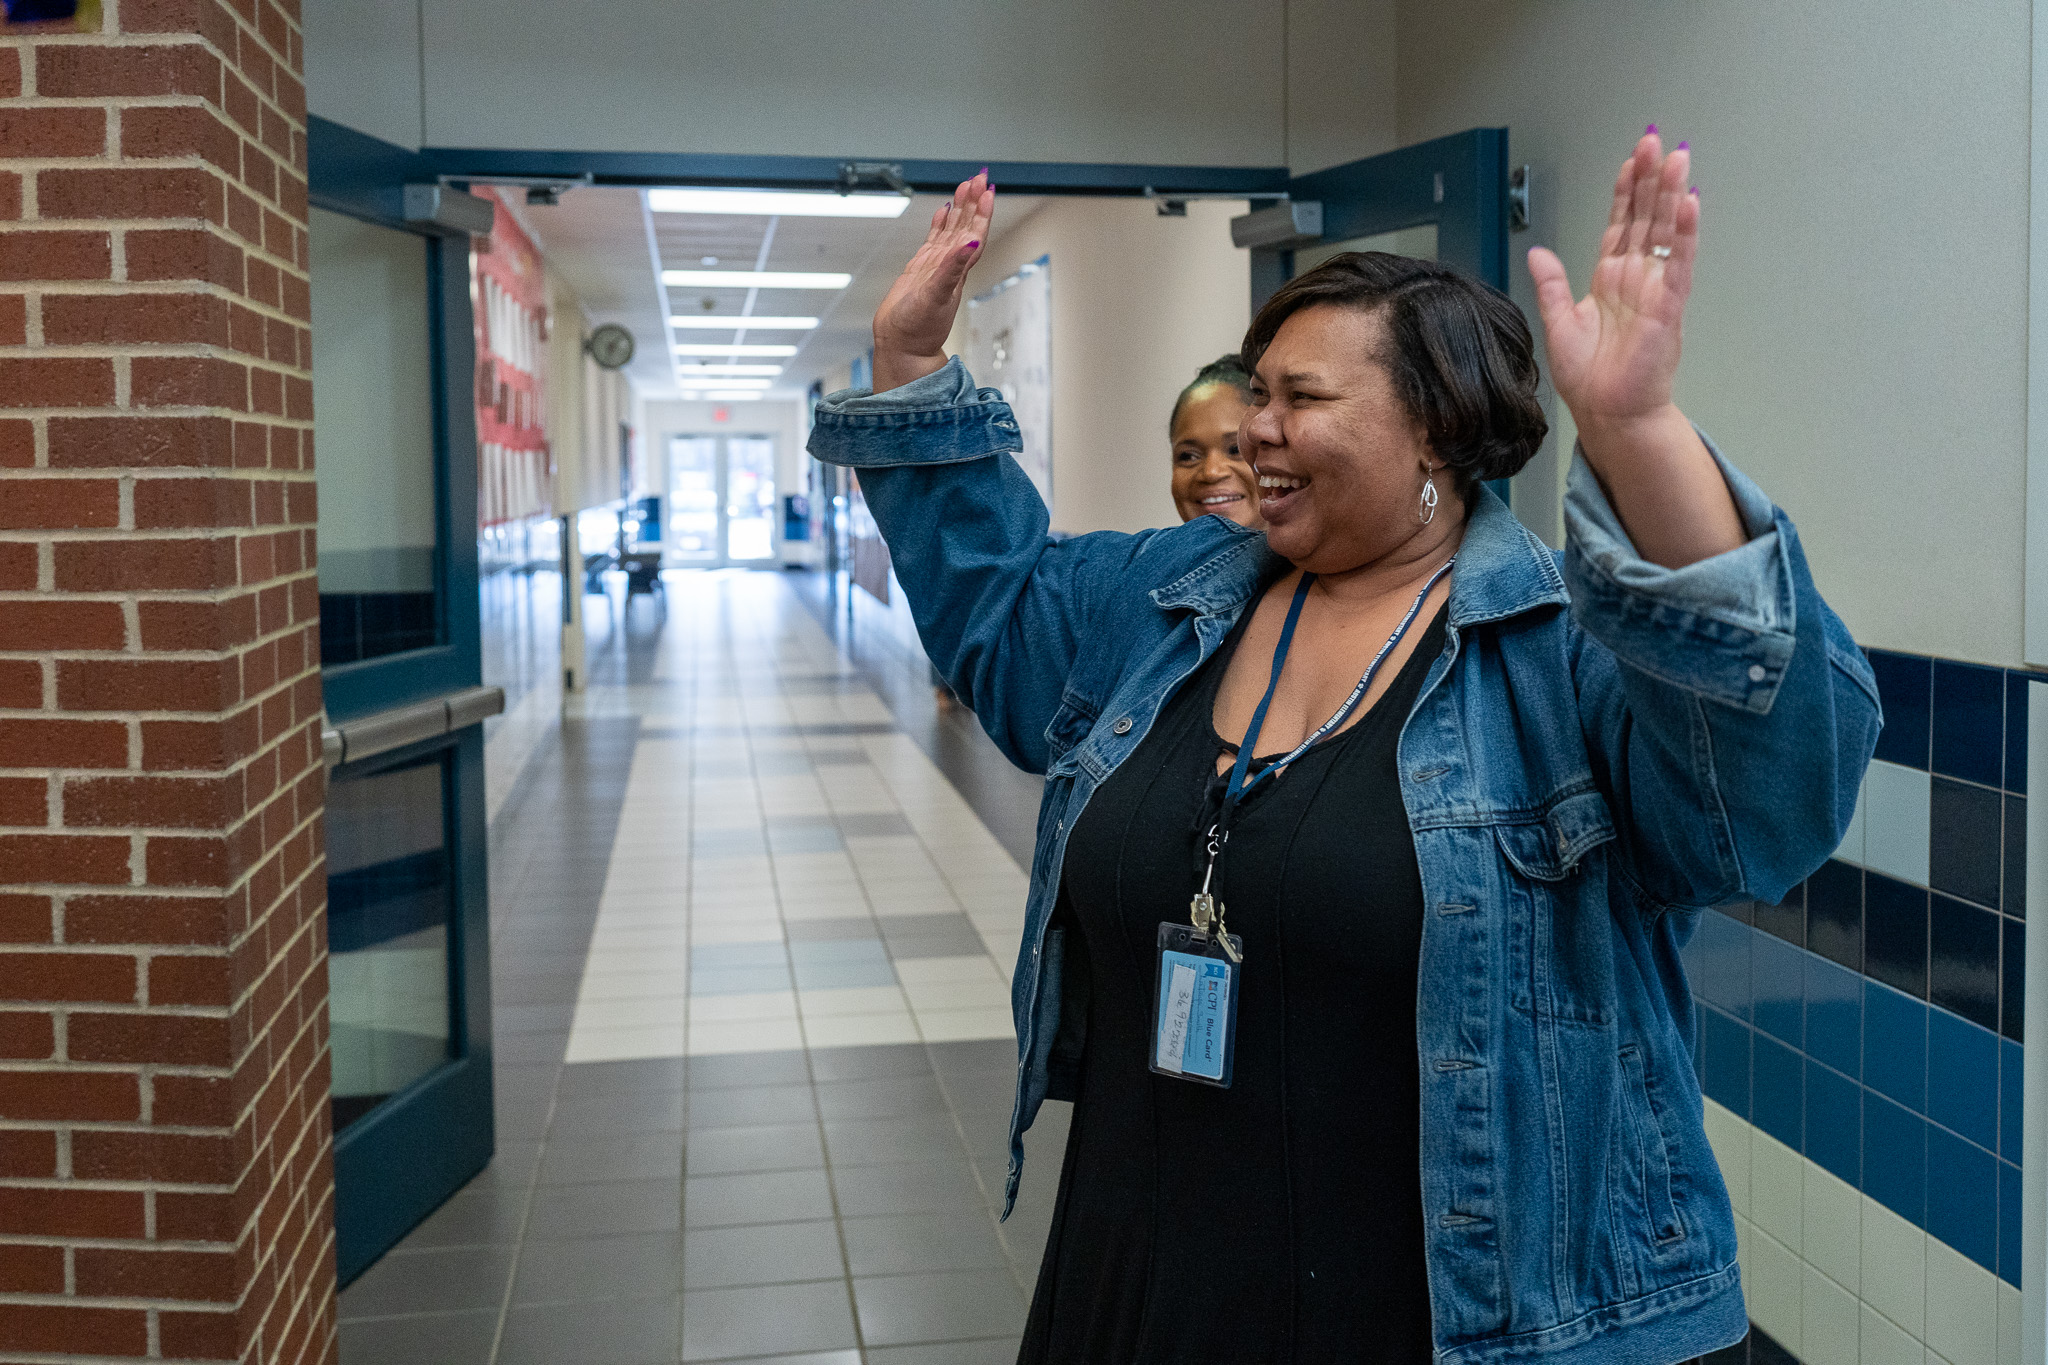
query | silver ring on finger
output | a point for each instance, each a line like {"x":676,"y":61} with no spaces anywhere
{"x":1662,"y":253}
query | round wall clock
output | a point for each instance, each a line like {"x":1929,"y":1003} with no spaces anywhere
{"x":610,"y":346}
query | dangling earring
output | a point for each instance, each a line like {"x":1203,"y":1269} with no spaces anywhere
{"x":1427,"y":511}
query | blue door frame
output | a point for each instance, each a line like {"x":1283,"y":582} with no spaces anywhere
{"x":402,"y":1159}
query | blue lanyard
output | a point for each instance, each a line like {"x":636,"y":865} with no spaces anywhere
{"x":1235,"y":791}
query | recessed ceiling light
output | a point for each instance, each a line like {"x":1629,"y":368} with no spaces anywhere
{"x":721,"y":381}
{"x":725,"y":395}
{"x":707,"y":260}
{"x":707,"y":348}
{"x":757,"y":279}
{"x":788,"y":203}
{"x":688,"y":370}
{"x":713,"y":322}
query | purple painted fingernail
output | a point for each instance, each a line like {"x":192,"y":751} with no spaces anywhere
{"x":1684,"y":146}
{"x":1694,"y":191}
{"x":984,"y":170}
{"x":973,"y":244}
{"x":1650,"y":131}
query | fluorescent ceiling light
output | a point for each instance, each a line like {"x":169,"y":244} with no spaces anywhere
{"x":708,"y":322}
{"x":757,"y":279}
{"x":721,"y":382}
{"x":687,"y":370}
{"x":707,"y":348}
{"x":726,"y":395}
{"x":787,"y":203}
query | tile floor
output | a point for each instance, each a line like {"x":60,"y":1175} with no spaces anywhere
{"x":751,"y":951}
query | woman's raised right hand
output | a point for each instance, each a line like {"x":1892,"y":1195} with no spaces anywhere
{"x":914,"y":320}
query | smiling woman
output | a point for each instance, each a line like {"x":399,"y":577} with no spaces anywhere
{"x":1369,"y":844}
{"x":1210,"y":477}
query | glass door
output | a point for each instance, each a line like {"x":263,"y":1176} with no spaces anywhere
{"x":722,"y":499}
{"x":407,"y":918}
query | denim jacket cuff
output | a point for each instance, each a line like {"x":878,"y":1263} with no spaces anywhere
{"x":1722,"y":628}
{"x":939,"y":419}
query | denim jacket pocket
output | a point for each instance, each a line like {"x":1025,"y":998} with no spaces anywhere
{"x":1070,"y":725}
{"x":1646,"y":1169}
{"x":1560,"y":933}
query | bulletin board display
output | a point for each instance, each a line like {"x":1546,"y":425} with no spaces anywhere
{"x":1009,"y":347}
{"x":515,"y":469}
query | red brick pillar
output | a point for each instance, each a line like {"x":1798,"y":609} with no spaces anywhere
{"x":166,"y":1186}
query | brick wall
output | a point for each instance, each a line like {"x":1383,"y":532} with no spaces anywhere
{"x":166,"y":1183}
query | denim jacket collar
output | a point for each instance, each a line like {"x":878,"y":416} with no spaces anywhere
{"x":1505,"y":570}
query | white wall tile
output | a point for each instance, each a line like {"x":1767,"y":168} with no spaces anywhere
{"x":1895,"y":821}
{"x":1777,"y":1176}
{"x":2009,"y":1304}
{"x":1884,"y":1344}
{"x":1851,"y":850}
{"x":1832,"y":1232}
{"x":1771,"y":1283}
{"x":1962,"y":1307}
{"x":1894,"y":1267}
{"x":1729,"y":1137}
{"x":1830,"y":1329}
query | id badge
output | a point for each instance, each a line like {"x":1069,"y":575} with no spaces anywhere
{"x":1194,"y":1006}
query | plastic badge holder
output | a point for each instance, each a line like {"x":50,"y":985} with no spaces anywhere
{"x":1194,"y":1006}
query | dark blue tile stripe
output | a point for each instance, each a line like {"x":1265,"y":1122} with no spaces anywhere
{"x":1914,"y":1105}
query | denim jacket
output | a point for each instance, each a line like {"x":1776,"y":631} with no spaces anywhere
{"x":1603,"y":748}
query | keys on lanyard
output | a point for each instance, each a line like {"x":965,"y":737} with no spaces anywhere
{"x":1194,"y":1015}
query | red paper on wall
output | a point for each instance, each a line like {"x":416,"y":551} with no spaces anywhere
{"x":509,"y":294}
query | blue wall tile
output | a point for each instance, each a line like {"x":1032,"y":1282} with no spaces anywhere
{"x":1904,"y":686}
{"x":1962,"y":959}
{"x":1779,"y":1092}
{"x":1834,"y":913}
{"x":2012,"y":894}
{"x":1963,"y":854}
{"x":1895,"y":1158}
{"x":1834,"y":1122}
{"x":2009,"y":1223}
{"x":1895,"y":933}
{"x":2015,"y":732}
{"x":1962,"y":1196}
{"x":1725,"y":1072}
{"x":1895,"y":1045}
{"x":1969,"y":721}
{"x":2012,"y":987}
{"x":1834,"y":1015}
{"x":1724,"y":963}
{"x":1962,"y":1078}
{"x":1778,"y":988}
{"x":2010,"y":1093}
{"x":1786,"y":918}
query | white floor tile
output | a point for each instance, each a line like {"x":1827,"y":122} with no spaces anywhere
{"x":859,"y":1030}
{"x":958,"y":995}
{"x":631,"y":985}
{"x":746,"y":1005}
{"x":828,"y":1004}
{"x":633,"y":1012}
{"x":1894,"y":1267}
{"x":925,"y":970}
{"x":1962,"y":1307}
{"x":624,"y":1044}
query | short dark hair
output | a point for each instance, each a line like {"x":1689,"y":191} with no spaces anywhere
{"x":1224,"y":369}
{"x":1459,"y":352}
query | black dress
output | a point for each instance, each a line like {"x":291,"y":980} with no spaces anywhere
{"x":1281,"y":1219}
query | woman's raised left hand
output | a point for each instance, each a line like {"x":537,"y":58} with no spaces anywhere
{"x":1613,"y":354}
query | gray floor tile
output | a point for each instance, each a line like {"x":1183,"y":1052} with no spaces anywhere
{"x":528,"y":964}
{"x":583,"y":1079}
{"x":752,"y":1107}
{"x":722,"y":955}
{"x":888,"y":1142}
{"x":429,"y":1339}
{"x":999,"y":1351}
{"x":477,"y":1215}
{"x":819,"y":952}
{"x":783,"y":1319}
{"x":817,"y":839}
{"x":866,"y":1063}
{"x":839,"y":976}
{"x":568,"y":1212}
{"x":874,"y":825}
{"x":856,"y":924}
{"x":430,"y":1282}
{"x":617,"y":1115}
{"x":913,"y":1187}
{"x":890,"y":1097}
{"x":766,"y":1253}
{"x":607,"y":1332}
{"x":987,"y":1054}
{"x":522,"y":1116}
{"x":510,"y":1019}
{"x":778,"y":1147}
{"x":645,"y":1265}
{"x":908,"y":1244}
{"x":807,"y":1358}
{"x":527,"y":1049}
{"x":772,"y":1197}
{"x":556,"y":989}
{"x":898,"y":1310}
{"x":645,"y":1156}
{"x":981,"y":1091}
{"x":513,"y":1163}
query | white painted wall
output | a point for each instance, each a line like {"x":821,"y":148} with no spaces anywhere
{"x":1139,"y":303}
{"x":363,"y":66}
{"x":1857,"y":338}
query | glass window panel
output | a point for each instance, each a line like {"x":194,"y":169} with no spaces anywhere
{"x":374,"y":439}
{"x":749,"y":497}
{"x":693,"y":499}
{"x":389,"y":903}
{"x":1419,"y":240}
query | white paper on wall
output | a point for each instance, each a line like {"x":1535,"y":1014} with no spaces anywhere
{"x":1009,"y":347}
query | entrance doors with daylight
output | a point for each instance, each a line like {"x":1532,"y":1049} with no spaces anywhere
{"x":721,"y":500}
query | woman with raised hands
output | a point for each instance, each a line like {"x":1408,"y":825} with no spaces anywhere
{"x":1369,"y":842}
